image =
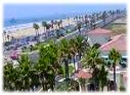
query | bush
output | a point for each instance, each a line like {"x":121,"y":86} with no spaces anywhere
{"x":122,"y":88}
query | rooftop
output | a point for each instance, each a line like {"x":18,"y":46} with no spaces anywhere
{"x":99,"y":31}
{"x":118,"y":42}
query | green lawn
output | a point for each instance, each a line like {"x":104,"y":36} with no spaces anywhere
{"x":117,"y":28}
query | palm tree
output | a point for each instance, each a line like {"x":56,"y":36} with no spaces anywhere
{"x":115,"y":56}
{"x":52,"y":24}
{"x":8,"y":37}
{"x":36,"y":27}
{"x":73,"y":50}
{"x":86,"y":23}
{"x":21,"y":77}
{"x":104,"y":16}
{"x":91,"y":23}
{"x":44,"y":24}
{"x":48,"y":26}
{"x":92,"y":60}
{"x":4,"y":35}
{"x":80,"y":18}
{"x":79,"y":27}
{"x":76,"y":18}
{"x":102,"y":77}
{"x":56,"y":24}
{"x":80,"y":44}
{"x":66,"y":55}
{"x":59,"y":23}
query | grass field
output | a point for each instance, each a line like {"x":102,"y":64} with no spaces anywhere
{"x":117,"y":28}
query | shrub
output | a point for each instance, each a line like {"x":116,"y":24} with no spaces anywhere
{"x":122,"y":88}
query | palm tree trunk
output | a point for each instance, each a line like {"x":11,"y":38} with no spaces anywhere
{"x":36,"y":35}
{"x":66,"y":69}
{"x":74,"y":62}
{"x":83,"y":85}
{"x":114,"y":76}
{"x":104,"y":21}
{"x":102,"y":88}
{"x":80,"y":55}
{"x":52,"y":83}
{"x":79,"y":31}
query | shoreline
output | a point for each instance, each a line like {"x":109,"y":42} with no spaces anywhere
{"x":23,"y":30}
{"x":28,"y":25}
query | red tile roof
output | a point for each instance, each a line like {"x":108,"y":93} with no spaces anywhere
{"x":99,"y":31}
{"x":83,"y":74}
{"x":118,"y":42}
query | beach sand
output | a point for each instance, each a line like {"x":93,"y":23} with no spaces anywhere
{"x":20,"y":33}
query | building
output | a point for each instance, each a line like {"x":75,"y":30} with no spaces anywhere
{"x":119,"y":43}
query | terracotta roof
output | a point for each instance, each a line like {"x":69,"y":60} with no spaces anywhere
{"x":118,"y":42}
{"x":83,"y":74}
{"x":118,"y":36}
{"x":99,"y":31}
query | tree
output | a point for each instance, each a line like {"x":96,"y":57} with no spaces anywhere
{"x":9,"y":80}
{"x":48,"y":65}
{"x":4,"y":35}
{"x":76,"y":18}
{"x":104,"y":17}
{"x":17,"y":75}
{"x":115,"y":56}
{"x":73,"y":50}
{"x":56,"y":24}
{"x":8,"y":37}
{"x":48,"y":26}
{"x":44,"y":24}
{"x":92,"y":61}
{"x":36,"y":27}
{"x":102,"y":77}
{"x":79,"y":27}
{"x":79,"y":43}
{"x":86,"y":22}
{"x":59,"y":23}
{"x":65,"y":55}
{"x":24,"y":68}
{"x":52,"y":24}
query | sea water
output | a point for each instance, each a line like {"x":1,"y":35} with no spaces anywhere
{"x":9,"y":24}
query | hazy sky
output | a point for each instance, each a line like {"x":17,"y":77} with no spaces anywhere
{"x":39,"y":10}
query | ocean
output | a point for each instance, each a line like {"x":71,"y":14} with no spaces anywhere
{"x":15,"y":21}
{"x":43,"y":12}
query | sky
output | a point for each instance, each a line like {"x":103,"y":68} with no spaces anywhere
{"x":39,"y":10}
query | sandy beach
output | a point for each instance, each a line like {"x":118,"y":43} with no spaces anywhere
{"x":29,"y":31}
